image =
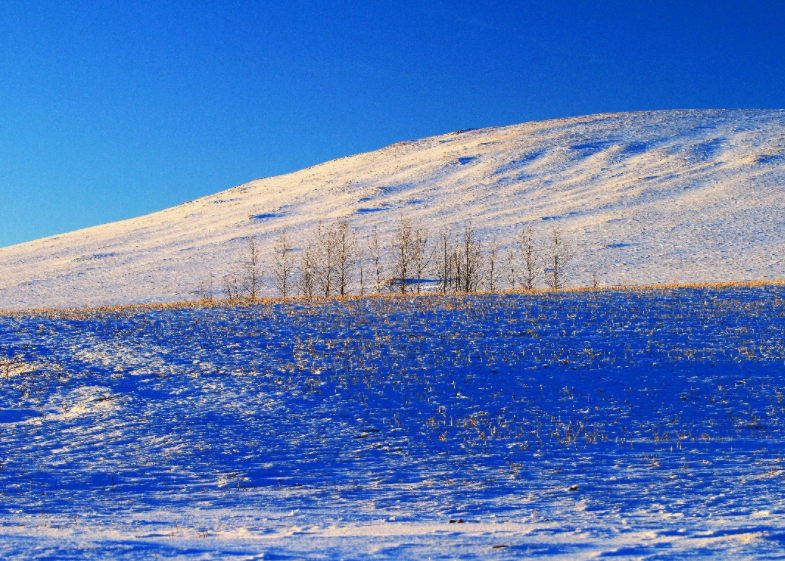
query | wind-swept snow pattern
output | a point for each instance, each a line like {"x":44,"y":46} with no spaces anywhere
{"x":572,"y":425}
{"x":653,"y":197}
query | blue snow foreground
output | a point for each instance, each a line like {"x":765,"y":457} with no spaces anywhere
{"x":633,"y":424}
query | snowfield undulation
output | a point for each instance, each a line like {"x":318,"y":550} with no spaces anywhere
{"x":655,"y":197}
{"x":634,"y":424}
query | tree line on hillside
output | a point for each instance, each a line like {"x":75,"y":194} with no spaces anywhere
{"x":334,"y":263}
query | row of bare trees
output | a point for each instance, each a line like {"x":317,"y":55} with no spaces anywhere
{"x":333,"y":262}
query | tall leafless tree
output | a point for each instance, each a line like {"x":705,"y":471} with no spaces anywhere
{"x":307,"y":278}
{"x":377,"y":263}
{"x":530,"y":258}
{"x":232,"y":287}
{"x":206,"y":289}
{"x":284,"y":263}
{"x":559,"y":257}
{"x":343,"y":240}
{"x":253,"y":269}
{"x":325,"y":258}
{"x":361,"y":270}
{"x":469,"y":260}
{"x":511,"y":263}
{"x":420,"y":255}
{"x":444,"y":261}
{"x":493,"y":265}
{"x":402,"y":248}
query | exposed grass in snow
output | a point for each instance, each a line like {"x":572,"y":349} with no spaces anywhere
{"x":636,"y":423}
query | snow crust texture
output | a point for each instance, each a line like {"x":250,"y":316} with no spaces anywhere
{"x":654,"y":197}
{"x":631,"y":424}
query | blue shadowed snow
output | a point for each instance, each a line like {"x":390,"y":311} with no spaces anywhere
{"x":265,"y":216}
{"x":619,"y":423}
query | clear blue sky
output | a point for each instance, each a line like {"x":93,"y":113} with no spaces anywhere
{"x":113,"y":109}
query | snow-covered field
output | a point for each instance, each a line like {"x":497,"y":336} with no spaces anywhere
{"x":687,"y":196}
{"x":632,"y":424}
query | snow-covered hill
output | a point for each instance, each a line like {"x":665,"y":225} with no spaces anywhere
{"x":645,"y":198}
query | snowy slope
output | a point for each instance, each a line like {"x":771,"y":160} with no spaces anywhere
{"x":645,"y":197}
{"x":578,"y":425}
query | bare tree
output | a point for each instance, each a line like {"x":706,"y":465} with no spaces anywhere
{"x":206,"y":290}
{"x":307,"y":279}
{"x":595,"y":280}
{"x":284,"y":263}
{"x":468,"y":260}
{"x":559,"y":257}
{"x":361,"y":270}
{"x":325,"y":258}
{"x":530,"y":258}
{"x":512,"y":266}
{"x":444,"y":261}
{"x":376,"y":259}
{"x":420,"y":254}
{"x":402,"y":245}
{"x":232,"y":287}
{"x":253,"y":269}
{"x":456,"y":264}
{"x":492,"y":270}
{"x":344,"y":247}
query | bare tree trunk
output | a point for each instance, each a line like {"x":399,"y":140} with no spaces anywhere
{"x":403,"y":252}
{"x":252,"y":267}
{"x":530,"y":257}
{"x":361,"y":266}
{"x":376,"y":258}
{"x":469,"y":259}
{"x":444,"y":262}
{"x":325,"y":258}
{"x":456,"y":263}
{"x":344,"y":255}
{"x":512,"y":266}
{"x":493,"y":257}
{"x":559,"y":258}
{"x":206,"y":290}
{"x":283,"y":263}
{"x":232,"y":288}
{"x":307,"y":280}
{"x":420,"y":254}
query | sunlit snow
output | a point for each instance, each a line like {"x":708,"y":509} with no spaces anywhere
{"x":685,"y":196}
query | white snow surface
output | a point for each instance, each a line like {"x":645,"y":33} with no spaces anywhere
{"x":633,"y":424}
{"x":648,"y":197}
